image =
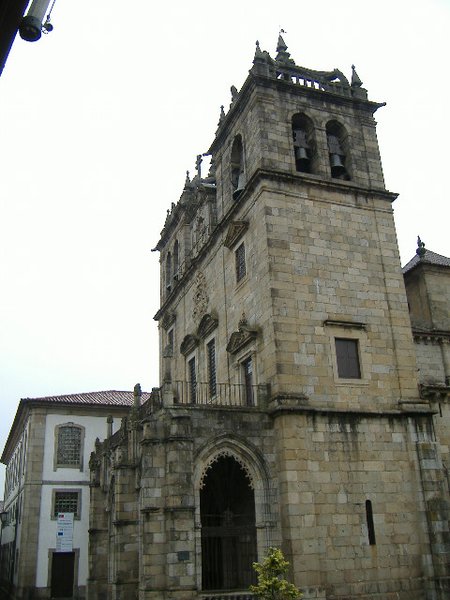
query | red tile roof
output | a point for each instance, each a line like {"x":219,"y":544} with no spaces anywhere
{"x":108,"y":398}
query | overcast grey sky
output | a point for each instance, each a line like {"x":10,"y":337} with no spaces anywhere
{"x":99,"y":122}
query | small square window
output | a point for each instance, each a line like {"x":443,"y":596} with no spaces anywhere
{"x":66,"y":502}
{"x":240,"y":262}
{"x":347,"y":356}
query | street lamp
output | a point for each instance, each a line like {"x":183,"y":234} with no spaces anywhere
{"x":3,"y":519}
{"x":32,"y":24}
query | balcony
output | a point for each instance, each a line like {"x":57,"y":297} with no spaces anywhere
{"x":228,"y":596}
{"x":214,"y":394}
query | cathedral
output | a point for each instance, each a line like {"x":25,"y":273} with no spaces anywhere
{"x":304,"y":377}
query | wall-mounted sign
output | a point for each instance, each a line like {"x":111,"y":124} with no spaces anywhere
{"x":64,"y":532}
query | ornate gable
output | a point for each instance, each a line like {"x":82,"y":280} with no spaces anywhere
{"x":189,"y":344}
{"x":207,"y":325}
{"x":240,"y":338}
{"x":235,"y":231}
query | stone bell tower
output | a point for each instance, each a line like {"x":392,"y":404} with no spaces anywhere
{"x":288,"y":412}
{"x":291,"y":241}
{"x":282,"y":293}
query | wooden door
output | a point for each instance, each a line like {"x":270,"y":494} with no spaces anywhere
{"x":63,"y":566}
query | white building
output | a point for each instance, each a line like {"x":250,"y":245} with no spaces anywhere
{"x":47,"y":472}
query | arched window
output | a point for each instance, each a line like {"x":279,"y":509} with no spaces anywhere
{"x":338,"y":151}
{"x":228,"y":531}
{"x":69,"y":446}
{"x":304,"y":143}
{"x":237,"y":167}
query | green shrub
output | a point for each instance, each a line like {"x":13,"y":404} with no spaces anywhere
{"x":271,"y":582}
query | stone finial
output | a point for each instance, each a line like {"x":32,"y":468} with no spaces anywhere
{"x":356,"y":81}
{"x":281,"y":45}
{"x":137,"y":393}
{"x":262,"y":63}
{"x":242,"y":321}
{"x":258,"y":52}
{"x":283,"y":56}
{"x":212,"y":168}
{"x":420,"y":248}
{"x":234,"y":93}
{"x":222,"y":115}
{"x":198,"y":165}
{"x":109,"y":421}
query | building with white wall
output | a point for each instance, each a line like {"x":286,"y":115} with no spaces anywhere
{"x":47,"y":472}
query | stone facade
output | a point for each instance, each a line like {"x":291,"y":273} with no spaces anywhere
{"x":290,"y":411}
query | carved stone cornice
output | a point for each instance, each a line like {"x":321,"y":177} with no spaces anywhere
{"x":168,"y":320}
{"x":435,"y":392}
{"x":344,"y":324}
{"x":430,"y":336}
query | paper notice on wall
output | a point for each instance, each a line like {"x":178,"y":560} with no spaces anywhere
{"x":64,"y":532}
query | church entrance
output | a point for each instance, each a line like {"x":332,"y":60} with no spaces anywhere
{"x":227,"y":508}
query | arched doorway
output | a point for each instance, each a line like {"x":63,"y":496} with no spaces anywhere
{"x":227,"y":511}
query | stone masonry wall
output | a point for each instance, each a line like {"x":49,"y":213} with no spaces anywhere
{"x":329,"y":465}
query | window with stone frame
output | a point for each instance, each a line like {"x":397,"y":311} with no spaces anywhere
{"x":176,"y":259}
{"x":241,"y":268}
{"x":69,"y":446}
{"x":66,"y":501}
{"x":237,"y":167}
{"x":212,"y":374}
{"x":192,"y":379}
{"x":247,"y":376}
{"x":347,"y":358}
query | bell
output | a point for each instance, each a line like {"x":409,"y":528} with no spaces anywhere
{"x":302,"y":161}
{"x":338,"y":169}
{"x":240,"y":185}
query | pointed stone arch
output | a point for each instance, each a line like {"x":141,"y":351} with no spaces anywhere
{"x":258,"y":476}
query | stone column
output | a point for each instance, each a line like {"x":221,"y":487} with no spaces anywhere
{"x":29,"y":532}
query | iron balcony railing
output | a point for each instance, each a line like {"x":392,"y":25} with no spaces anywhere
{"x":228,"y":596}
{"x":214,"y":394}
